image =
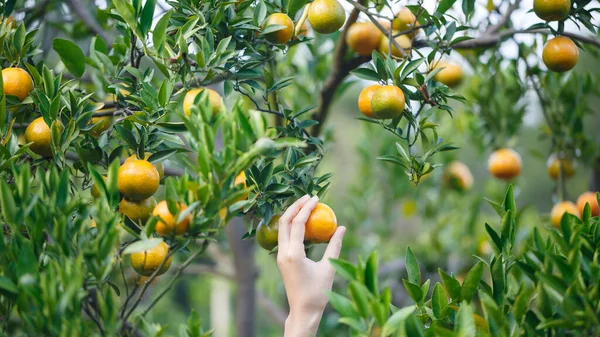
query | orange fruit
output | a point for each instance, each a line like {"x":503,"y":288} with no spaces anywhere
{"x":146,"y":262}
{"x":505,"y":164}
{"x":406,"y":20}
{"x":364,"y":100}
{"x":363,"y":38}
{"x":326,"y":16}
{"x":17,"y":82}
{"x":588,"y":198}
{"x":94,"y":190}
{"x":167,"y":225}
{"x":240,"y":179}
{"x":10,"y":22}
{"x":451,"y":75}
{"x":38,"y":132}
{"x":138,"y":211}
{"x":321,"y":224}
{"x":559,"y":210}
{"x":138,"y":179}
{"x":388,"y":102}
{"x":552,"y":10}
{"x":266,"y":234}
{"x":159,"y":166}
{"x":403,"y":41}
{"x":283,"y":35}
{"x":560,"y":54}
{"x":104,"y":123}
{"x":555,"y":165}
{"x":215,"y":100}
{"x":458,"y":176}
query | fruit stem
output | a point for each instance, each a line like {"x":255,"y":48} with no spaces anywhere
{"x":302,"y":19}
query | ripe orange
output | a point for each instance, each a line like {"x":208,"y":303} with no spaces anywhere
{"x":17,"y":82}
{"x":388,"y":102}
{"x":138,"y":211}
{"x":283,"y":35}
{"x":560,"y":54}
{"x":559,"y":210}
{"x":363,"y":38}
{"x":458,"y":176}
{"x":215,"y":100}
{"x":146,"y":262}
{"x":266,"y":234}
{"x":406,"y":20}
{"x":326,"y":16}
{"x":104,"y":123}
{"x":38,"y":132}
{"x":451,"y":75}
{"x":588,"y":198}
{"x":505,"y":164}
{"x":321,"y":224}
{"x":403,"y":41}
{"x":167,"y":225}
{"x":555,"y":165}
{"x":159,"y":166}
{"x":364,"y":100}
{"x":552,"y":10}
{"x":138,"y":179}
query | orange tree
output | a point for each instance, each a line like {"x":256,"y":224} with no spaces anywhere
{"x":117,"y":154}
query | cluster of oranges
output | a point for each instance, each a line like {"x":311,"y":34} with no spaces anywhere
{"x":319,"y":228}
{"x":560,"y":53}
{"x":559,"y":210}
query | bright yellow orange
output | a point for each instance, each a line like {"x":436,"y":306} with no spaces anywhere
{"x":505,"y":164}
{"x":17,"y":82}
{"x":588,"y":198}
{"x":403,"y":41}
{"x":38,"y":132}
{"x":559,"y":210}
{"x":326,"y":16}
{"x":138,"y":179}
{"x":104,"y":123}
{"x":363,"y":38}
{"x":555,"y":165}
{"x":167,"y":225}
{"x":406,"y":20}
{"x":146,"y":262}
{"x":364,"y":100}
{"x":458,"y":176}
{"x":138,"y":211}
{"x":266,"y":234}
{"x":451,"y":74}
{"x":159,"y":166}
{"x":215,"y":100}
{"x":388,"y":102}
{"x":283,"y":35}
{"x":552,"y":10}
{"x":560,"y":54}
{"x":321,"y":224}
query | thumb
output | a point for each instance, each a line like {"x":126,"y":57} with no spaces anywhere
{"x":335,"y":245}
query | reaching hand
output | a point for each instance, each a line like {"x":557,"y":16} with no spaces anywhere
{"x":305,"y":281}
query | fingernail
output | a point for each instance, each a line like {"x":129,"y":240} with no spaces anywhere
{"x":315,"y":198}
{"x":306,"y":196}
{"x":342,"y":230}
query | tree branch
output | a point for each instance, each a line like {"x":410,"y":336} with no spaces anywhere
{"x":492,"y":40}
{"x":505,"y":18}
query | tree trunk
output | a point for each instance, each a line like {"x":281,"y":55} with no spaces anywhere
{"x":245,"y":275}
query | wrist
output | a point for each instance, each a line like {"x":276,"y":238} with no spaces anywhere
{"x":299,"y":324}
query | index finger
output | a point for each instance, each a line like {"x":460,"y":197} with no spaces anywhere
{"x":283,"y":236}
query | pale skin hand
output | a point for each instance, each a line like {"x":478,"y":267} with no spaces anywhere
{"x":306,"y":281}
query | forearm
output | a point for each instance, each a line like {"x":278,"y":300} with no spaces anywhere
{"x":302,"y":325}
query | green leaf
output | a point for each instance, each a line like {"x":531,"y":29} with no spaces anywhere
{"x":9,"y":208}
{"x":344,"y":268}
{"x":71,"y":55}
{"x":468,"y":7}
{"x":443,"y":7}
{"x":412,"y":267}
{"x":365,"y":74}
{"x":127,"y":12}
{"x":159,"y":33}
{"x":7,"y":287}
{"x":465,"y":322}
{"x":396,"y":321}
{"x":469,"y":286}
{"x":371,"y":273}
{"x":359,"y":294}
{"x":142,"y":245}
{"x":451,"y":284}
{"x":147,"y":16}
{"x":342,"y":305}
{"x":438,"y":301}
{"x":414,"y":291}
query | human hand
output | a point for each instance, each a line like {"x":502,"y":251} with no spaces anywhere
{"x":305,"y":281}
